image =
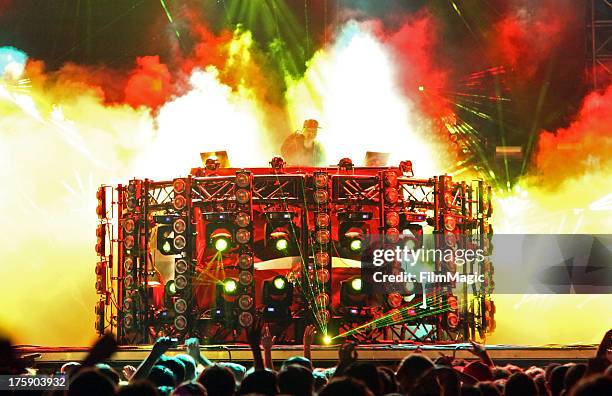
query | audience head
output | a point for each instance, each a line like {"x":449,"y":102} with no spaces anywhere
{"x":387,"y":380}
{"x":345,"y":386}
{"x":238,"y":370}
{"x":261,"y":382}
{"x":500,"y":373}
{"x":296,"y":380}
{"x":410,"y":369}
{"x":479,"y":370}
{"x":110,"y":372}
{"x":190,"y":389}
{"x":557,"y":380}
{"x":573,"y":375}
{"x":138,"y":388}
{"x":175,"y":365}
{"x":320,"y":380}
{"x":161,"y":376}
{"x":520,"y":384}
{"x":92,"y":382}
{"x":366,"y":373}
{"x":218,"y":380}
{"x":190,"y":366}
{"x":299,"y":360}
{"x":488,"y":388}
{"x":596,"y":385}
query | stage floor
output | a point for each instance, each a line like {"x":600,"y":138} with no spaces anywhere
{"x":523,"y":356}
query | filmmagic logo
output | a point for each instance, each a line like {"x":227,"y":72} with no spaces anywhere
{"x":429,"y":277}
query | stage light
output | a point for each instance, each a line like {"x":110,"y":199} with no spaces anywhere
{"x":221,"y":244}
{"x":245,"y":319}
{"x":180,"y":306}
{"x":390,"y":179}
{"x":278,"y":163}
{"x":128,"y":264}
{"x":323,"y":316}
{"x":243,"y":219}
{"x":181,"y":266}
{"x":351,"y":292}
{"x":323,"y":276}
{"x":243,"y":236}
{"x":101,"y":208}
{"x":392,"y":219}
{"x":101,"y":278}
{"x":277,"y":297}
{"x":320,"y":180}
{"x":179,"y":226}
{"x":322,"y":300}
{"x":279,"y":282}
{"x":165,"y":240}
{"x":166,"y":248}
{"x":178,"y":185}
{"x":245,"y":261}
{"x":452,"y":320}
{"x":355,"y":245}
{"x":392,"y":235}
{"x":180,"y":323}
{"x":230,"y":286}
{"x":180,"y":282}
{"x":322,"y":220}
{"x":220,"y":239}
{"x":128,"y":282}
{"x":128,"y":321}
{"x":320,"y":196}
{"x":345,"y":164}
{"x":412,"y":235}
{"x":101,"y":240}
{"x":242,"y":196}
{"x":281,"y":244}
{"x":245,"y":278}
{"x":391,"y":195}
{"x":179,"y":242}
{"x":170,"y":288}
{"x":129,"y":225}
{"x":450,"y":223}
{"x":323,"y":237}
{"x":245,"y":302}
{"x":128,"y":242}
{"x":321,"y":259}
{"x":406,"y":168}
{"x":179,"y":202}
{"x":242,"y":180}
{"x":327,"y":339}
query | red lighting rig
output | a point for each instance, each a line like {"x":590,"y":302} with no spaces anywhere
{"x":202,"y":255}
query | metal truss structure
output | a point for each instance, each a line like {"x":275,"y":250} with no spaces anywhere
{"x":179,"y":222}
{"x":599,"y":42}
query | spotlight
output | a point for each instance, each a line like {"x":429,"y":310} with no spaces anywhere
{"x":281,"y":244}
{"x":230,"y":286}
{"x":101,"y":240}
{"x":355,"y":245}
{"x":327,"y":340}
{"x":351,"y":292}
{"x":280,"y":235}
{"x":352,"y":233}
{"x":277,"y":298}
{"x":221,"y":239}
{"x":101,"y":208}
{"x":165,"y":240}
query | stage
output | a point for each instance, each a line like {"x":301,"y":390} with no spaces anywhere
{"x":325,"y":356}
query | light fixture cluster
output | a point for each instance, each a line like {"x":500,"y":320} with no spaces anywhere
{"x":130,"y":276}
{"x":321,"y":245}
{"x":179,"y":232}
{"x":243,"y":235}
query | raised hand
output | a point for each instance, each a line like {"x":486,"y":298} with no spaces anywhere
{"x":128,"y":372}
{"x":192,"y":347}
{"x":309,"y":334}
{"x":348,"y":353}
{"x":162,"y":345}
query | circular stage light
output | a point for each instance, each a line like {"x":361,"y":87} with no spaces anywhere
{"x":180,"y":306}
{"x":356,"y":284}
{"x":450,"y":223}
{"x":355,"y":245}
{"x":179,"y":226}
{"x":243,"y":219}
{"x":128,"y":242}
{"x":391,"y":195}
{"x":243,"y":236}
{"x":128,"y":264}
{"x":245,"y":319}
{"x":180,"y":323}
{"x":323,"y":237}
{"x":178,"y":185}
{"x":166,"y":247}
{"x":180,"y":282}
{"x":392,"y":219}
{"x":221,"y":244}
{"x":322,"y":220}
{"x":180,"y":242}
{"x":245,"y":278}
{"x":320,"y":196}
{"x":181,"y":266}
{"x":242,"y":196}
{"x":230,"y":286}
{"x":323,"y":276}
{"x":320,"y":180}
{"x":179,"y":202}
{"x":281,"y":244}
{"x":245,"y":261}
{"x":129,"y":226}
{"x":279,"y":283}
{"x":322,"y":299}
{"x":242,"y":180}
{"x":245,"y":302}
{"x":322,"y":259}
